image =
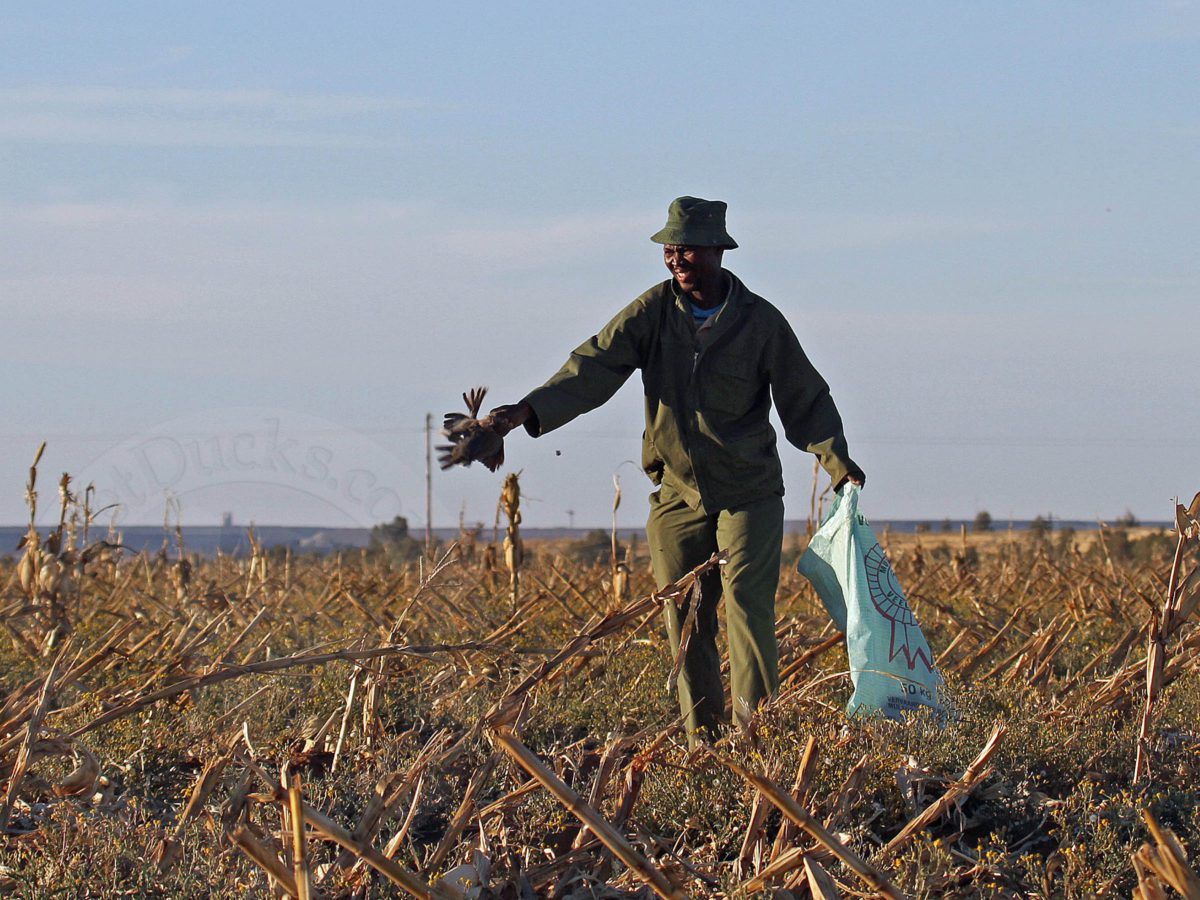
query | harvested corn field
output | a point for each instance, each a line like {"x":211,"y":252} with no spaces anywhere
{"x":496,"y":722}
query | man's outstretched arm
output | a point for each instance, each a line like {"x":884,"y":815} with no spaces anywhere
{"x":595,"y":371}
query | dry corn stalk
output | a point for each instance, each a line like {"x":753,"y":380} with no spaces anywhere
{"x":193,"y":682}
{"x":169,"y":850}
{"x":614,"y":562}
{"x":388,"y":796}
{"x":81,"y":781}
{"x":873,"y":877}
{"x":33,"y":728}
{"x":337,"y":750}
{"x":27,"y":569}
{"x":575,"y":804}
{"x":331,"y":830}
{"x":785,"y":866}
{"x":820,"y":884}
{"x":47,"y":571}
{"x":804,"y":775}
{"x":245,"y":840}
{"x":514,"y":549}
{"x":299,"y":850}
{"x":462,"y":815}
{"x":1149,"y":887}
{"x":976,"y":772}
{"x":1165,"y":859}
{"x":694,"y":599}
{"x":394,"y":872}
{"x":505,"y":710}
{"x":393,"y":846}
{"x":1163,"y":625}
{"x":809,"y":655}
{"x":750,"y":855}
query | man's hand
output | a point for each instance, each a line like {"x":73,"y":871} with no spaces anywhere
{"x":505,"y":418}
{"x":857,"y":478}
{"x":471,"y":439}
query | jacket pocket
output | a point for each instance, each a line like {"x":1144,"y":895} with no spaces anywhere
{"x":730,"y":387}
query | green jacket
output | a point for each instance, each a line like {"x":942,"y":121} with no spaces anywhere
{"x":708,"y":397}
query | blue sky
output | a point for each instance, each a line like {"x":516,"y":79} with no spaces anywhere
{"x":980,"y":218}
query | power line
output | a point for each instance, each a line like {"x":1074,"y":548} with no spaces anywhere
{"x":117,"y":437}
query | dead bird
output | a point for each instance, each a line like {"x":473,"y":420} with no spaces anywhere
{"x":472,"y":439}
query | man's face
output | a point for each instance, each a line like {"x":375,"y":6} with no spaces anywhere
{"x":692,"y":266}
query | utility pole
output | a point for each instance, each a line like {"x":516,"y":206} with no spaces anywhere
{"x":429,"y":485}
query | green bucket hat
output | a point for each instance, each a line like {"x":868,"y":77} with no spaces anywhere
{"x":692,"y":222}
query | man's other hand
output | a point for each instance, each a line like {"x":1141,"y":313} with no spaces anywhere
{"x":857,"y":478}
{"x":505,"y":418}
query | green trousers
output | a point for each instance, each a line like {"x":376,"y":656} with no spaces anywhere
{"x":752,"y":535}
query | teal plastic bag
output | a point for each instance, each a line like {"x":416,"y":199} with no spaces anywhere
{"x":891,"y":664}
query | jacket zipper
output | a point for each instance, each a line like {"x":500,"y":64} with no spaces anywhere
{"x":695,"y":419}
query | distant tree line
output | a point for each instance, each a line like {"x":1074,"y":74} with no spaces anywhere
{"x":392,"y":539}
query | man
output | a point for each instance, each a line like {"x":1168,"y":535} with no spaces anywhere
{"x":713,"y":356}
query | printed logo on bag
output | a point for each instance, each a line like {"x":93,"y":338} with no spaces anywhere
{"x":890,"y":602}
